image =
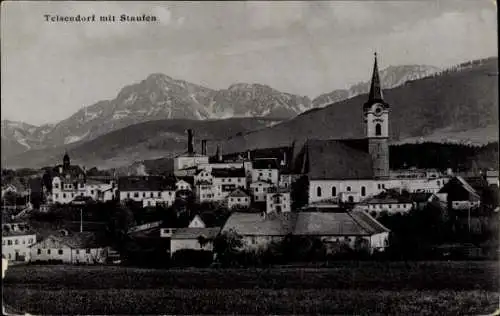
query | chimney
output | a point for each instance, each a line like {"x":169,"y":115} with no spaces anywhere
{"x":219,"y":153}
{"x":190,"y":142}
{"x":204,"y":147}
{"x":283,"y":162}
{"x":249,"y":157}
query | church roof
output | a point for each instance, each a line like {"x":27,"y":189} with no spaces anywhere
{"x":335,"y":160}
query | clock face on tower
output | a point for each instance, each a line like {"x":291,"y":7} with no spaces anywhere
{"x":378,"y":110}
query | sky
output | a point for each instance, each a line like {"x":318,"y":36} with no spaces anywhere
{"x":50,"y":70}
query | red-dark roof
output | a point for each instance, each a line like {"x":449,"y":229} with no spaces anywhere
{"x":229,"y":173}
{"x":335,"y":159}
{"x":348,"y":223}
{"x":148,"y":183}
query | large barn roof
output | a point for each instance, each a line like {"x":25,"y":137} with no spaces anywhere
{"x":347,"y":223}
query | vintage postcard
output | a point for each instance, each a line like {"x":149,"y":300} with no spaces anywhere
{"x":253,"y":158}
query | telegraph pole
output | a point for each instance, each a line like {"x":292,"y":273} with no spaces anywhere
{"x":81,"y":220}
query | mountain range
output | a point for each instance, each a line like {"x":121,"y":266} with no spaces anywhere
{"x":162,"y":97}
{"x":147,"y":120}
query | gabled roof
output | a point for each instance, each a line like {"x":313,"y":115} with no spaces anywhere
{"x":256,"y":224}
{"x":265,"y":163}
{"x":81,"y":240}
{"x":148,"y":183}
{"x":228,"y":173}
{"x":194,"y":233}
{"x":335,"y":160}
{"x":238,"y":193}
{"x":459,"y":190}
{"x":188,"y":179}
{"x":347,"y":223}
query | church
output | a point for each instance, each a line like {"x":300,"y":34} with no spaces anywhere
{"x":350,"y":170}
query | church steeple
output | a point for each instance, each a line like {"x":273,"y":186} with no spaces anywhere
{"x":375,"y":94}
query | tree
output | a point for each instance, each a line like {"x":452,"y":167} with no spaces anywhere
{"x":226,"y":247}
{"x":300,"y":192}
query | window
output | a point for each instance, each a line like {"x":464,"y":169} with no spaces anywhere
{"x":438,"y":182}
{"x":278,"y":208}
{"x":88,"y":250}
{"x":151,"y":195}
{"x":81,"y":194}
{"x":136,"y":194}
{"x":48,"y":251}
{"x":269,"y":175}
{"x":143,"y":194}
{"x":256,"y":190}
{"x":64,"y":195}
{"x":16,"y":242}
{"x":348,"y":189}
{"x":334,"y":191}
{"x":350,"y":199}
{"x":39,"y":251}
{"x":239,"y":200}
{"x":318,"y":191}
{"x":390,"y":206}
{"x":72,"y":194}
{"x":128,"y":195}
{"x":57,"y":196}
{"x":363,"y":191}
{"x":56,"y":186}
{"x":9,"y":242}
{"x":60,"y":251}
{"x":159,"y":194}
{"x":378,"y":130}
{"x":77,"y":251}
{"x":9,"y":256}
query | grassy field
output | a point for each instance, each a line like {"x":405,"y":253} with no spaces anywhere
{"x":424,"y":288}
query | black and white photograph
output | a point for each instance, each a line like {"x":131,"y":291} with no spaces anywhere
{"x":250,"y":157}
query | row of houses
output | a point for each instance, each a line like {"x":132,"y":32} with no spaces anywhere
{"x":333,"y":225}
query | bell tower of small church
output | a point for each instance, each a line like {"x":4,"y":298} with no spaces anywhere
{"x":376,"y":119}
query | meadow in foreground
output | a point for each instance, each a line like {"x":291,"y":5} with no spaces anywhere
{"x":423,"y":288}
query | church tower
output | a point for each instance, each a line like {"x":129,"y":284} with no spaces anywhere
{"x":376,"y":119}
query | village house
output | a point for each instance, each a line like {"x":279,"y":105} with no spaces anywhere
{"x":149,"y":190}
{"x":459,"y":195}
{"x":84,"y":247}
{"x":183,"y":184}
{"x":260,"y":189}
{"x":265,"y":169}
{"x":347,"y":227}
{"x":195,"y":238}
{"x":278,"y":202}
{"x":389,"y":201}
{"x":226,"y":181}
{"x":238,"y":199}
{"x":16,"y":240}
